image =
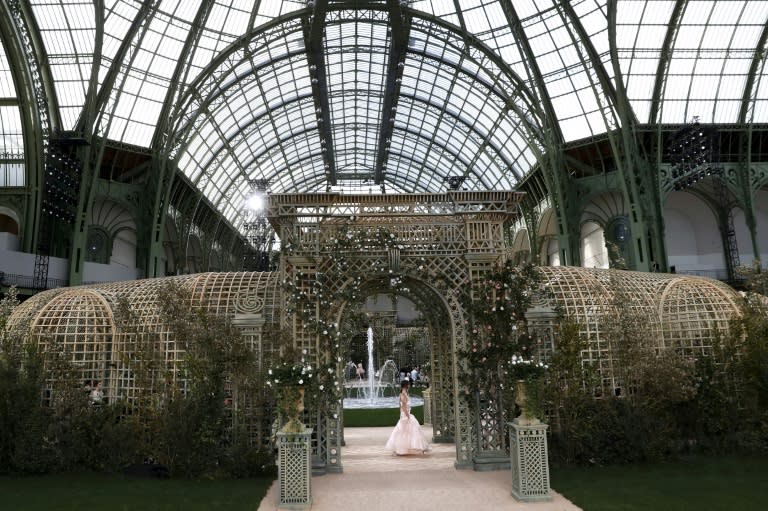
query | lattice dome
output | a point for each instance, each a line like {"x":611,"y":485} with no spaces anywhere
{"x":81,"y":320}
{"x":678,"y":311}
{"x":79,"y":323}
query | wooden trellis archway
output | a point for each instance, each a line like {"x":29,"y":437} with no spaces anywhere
{"x":429,"y":247}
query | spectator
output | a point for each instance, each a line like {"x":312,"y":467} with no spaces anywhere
{"x":96,"y":395}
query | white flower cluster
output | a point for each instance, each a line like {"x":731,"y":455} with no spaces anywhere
{"x":526,"y":361}
{"x":286,"y":374}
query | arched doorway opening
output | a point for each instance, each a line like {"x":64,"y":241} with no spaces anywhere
{"x":692,"y":236}
{"x":426,"y":340}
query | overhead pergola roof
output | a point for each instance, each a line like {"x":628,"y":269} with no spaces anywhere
{"x":394,"y":95}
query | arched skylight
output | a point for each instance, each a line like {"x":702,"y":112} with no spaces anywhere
{"x":397,"y":96}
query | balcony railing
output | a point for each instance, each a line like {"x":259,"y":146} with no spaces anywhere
{"x":28,"y":281}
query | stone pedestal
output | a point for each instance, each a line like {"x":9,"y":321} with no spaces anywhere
{"x":530,"y":462}
{"x":294,"y":466}
{"x":427,"y":395}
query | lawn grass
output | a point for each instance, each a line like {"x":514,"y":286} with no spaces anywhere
{"x":76,"y":492}
{"x":701,"y":484}
{"x":377,"y":417}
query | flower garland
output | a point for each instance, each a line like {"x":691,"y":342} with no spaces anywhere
{"x":499,"y":350}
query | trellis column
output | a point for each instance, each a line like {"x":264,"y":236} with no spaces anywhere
{"x":541,"y":323}
{"x":488,"y":435}
{"x":427,"y":395}
{"x":249,"y":319}
{"x":490,"y":449}
{"x":331,"y":432}
{"x":443,"y":416}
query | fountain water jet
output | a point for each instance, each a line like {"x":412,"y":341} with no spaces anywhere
{"x":373,"y":391}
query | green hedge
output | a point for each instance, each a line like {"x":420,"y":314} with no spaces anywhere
{"x":377,"y":417}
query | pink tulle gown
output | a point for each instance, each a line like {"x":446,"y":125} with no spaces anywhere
{"x":406,"y":437}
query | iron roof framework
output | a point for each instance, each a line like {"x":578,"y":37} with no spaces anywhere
{"x":407,"y":92}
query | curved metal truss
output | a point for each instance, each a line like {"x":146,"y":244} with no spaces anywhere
{"x":458,"y":110}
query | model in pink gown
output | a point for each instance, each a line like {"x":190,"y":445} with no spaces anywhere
{"x":406,"y":437}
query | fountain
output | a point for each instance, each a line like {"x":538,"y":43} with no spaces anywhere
{"x":372,"y":394}
{"x":373,"y":391}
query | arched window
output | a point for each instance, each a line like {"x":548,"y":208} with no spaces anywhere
{"x":98,"y":246}
{"x":593,"y":251}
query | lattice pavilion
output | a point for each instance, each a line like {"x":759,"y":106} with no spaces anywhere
{"x":433,"y":245}
{"x":245,"y":149}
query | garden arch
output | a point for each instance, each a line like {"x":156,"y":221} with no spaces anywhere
{"x":430,"y":247}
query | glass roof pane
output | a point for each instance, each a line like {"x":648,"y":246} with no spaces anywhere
{"x":674,"y":111}
{"x":7,"y":87}
{"x":68,"y":32}
{"x":706,"y":36}
{"x":689,"y":37}
{"x":476,"y":19}
{"x":703,"y":86}
{"x":11,"y":135}
{"x":560,"y":62}
{"x":760,"y":112}
{"x":683,"y":64}
{"x":700,"y":12}
{"x":526,"y":8}
{"x":716,"y":36}
{"x":726,"y":110}
{"x":593,"y":17}
{"x":269,"y":9}
{"x":677,"y":88}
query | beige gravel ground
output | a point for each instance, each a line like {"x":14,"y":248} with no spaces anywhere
{"x":375,"y":480}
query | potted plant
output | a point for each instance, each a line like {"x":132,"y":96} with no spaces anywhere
{"x":290,"y":381}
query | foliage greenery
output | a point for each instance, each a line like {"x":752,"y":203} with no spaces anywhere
{"x":669,"y":405}
{"x":191,"y":428}
{"x":295,"y":382}
{"x":87,"y":490}
{"x":377,"y":417}
{"x":500,"y":349}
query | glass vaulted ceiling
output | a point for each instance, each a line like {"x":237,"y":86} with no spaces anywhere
{"x":11,"y":138}
{"x":240,"y":91}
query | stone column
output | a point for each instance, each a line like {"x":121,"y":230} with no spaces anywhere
{"x":294,"y":468}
